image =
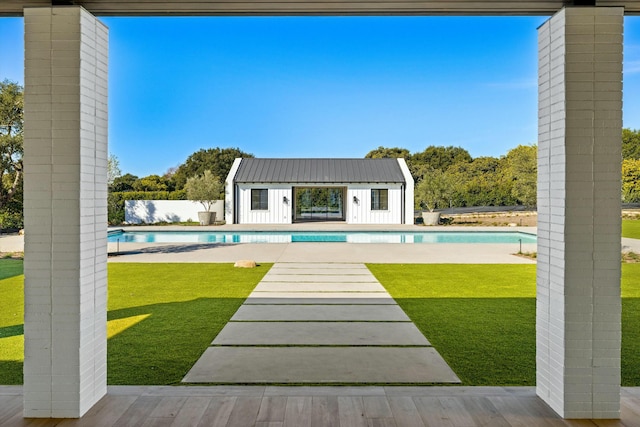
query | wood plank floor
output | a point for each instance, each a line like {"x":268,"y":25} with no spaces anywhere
{"x":262,"y":406}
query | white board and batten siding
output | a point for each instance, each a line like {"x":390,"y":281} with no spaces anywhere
{"x":280,"y":177}
{"x":361,"y":212}
{"x":278,"y":212}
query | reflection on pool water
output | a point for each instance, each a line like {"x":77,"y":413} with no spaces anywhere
{"x":321,"y":236}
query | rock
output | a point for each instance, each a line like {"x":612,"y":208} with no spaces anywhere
{"x":513,"y":224}
{"x":245,"y":263}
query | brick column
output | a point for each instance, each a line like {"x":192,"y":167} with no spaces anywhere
{"x":65,"y":182}
{"x":579,"y":155}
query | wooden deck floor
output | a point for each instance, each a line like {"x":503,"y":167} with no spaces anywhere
{"x":263,"y":406}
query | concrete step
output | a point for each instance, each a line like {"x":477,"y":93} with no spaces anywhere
{"x":318,"y":287}
{"x":320,"y":333}
{"x":342,"y":298}
{"x":388,"y":313}
{"x":246,"y":365}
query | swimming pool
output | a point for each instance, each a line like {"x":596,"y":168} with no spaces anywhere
{"x":320,"y":236}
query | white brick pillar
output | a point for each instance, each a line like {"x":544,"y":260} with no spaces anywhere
{"x":579,"y":155}
{"x":65,"y":182}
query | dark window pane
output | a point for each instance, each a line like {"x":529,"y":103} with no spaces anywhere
{"x":259,"y":199}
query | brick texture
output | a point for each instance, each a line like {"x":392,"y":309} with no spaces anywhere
{"x":65,"y":157}
{"x":578,"y":284}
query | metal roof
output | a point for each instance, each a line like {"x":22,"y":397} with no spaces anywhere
{"x":314,"y":7}
{"x":319,"y":171}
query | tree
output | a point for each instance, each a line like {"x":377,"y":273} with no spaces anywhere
{"x":631,"y":180}
{"x":151,"y":183}
{"x":11,"y":140}
{"x":481,"y":183}
{"x":438,"y":158}
{"x":433,"y":190}
{"x":522,"y":169}
{"x":206,"y":189}
{"x":113,"y":168}
{"x":216,"y":160}
{"x":630,"y":144}
{"x":123,"y":183}
{"x":384,"y":152}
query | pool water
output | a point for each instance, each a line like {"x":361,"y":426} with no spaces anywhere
{"x":321,"y":236}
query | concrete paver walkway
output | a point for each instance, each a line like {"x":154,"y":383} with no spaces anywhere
{"x":320,"y":323}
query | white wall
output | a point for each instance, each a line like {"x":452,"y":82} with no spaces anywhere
{"x":278,"y":212}
{"x":152,"y":211}
{"x":229,"y":193}
{"x":361,"y":213}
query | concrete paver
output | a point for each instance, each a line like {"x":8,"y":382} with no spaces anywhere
{"x":328,"y":278}
{"x":320,"y":333}
{"x":319,"y":287}
{"x":320,"y":326}
{"x":320,"y":272}
{"x":321,"y":365}
{"x":388,"y":313}
{"x":315,"y":298}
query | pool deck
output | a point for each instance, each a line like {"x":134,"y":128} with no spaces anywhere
{"x":395,"y":253}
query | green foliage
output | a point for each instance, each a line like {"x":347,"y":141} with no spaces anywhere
{"x":384,"y":152}
{"x":217,"y":160}
{"x":481,"y":182}
{"x":113,"y":169}
{"x":434,"y":190}
{"x":11,"y":151}
{"x":205,"y":189}
{"x":522,"y":169}
{"x":631,"y":180}
{"x":152,"y":183}
{"x":123,"y":183}
{"x":631,"y":144}
{"x":440,"y":158}
{"x":115,"y":201}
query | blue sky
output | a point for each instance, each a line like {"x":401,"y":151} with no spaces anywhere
{"x":320,"y":86}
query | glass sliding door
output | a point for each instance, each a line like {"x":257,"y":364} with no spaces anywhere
{"x":319,"y":203}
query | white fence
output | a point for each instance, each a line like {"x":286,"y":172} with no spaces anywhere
{"x":153,"y":211}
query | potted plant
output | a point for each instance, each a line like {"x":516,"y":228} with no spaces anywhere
{"x":205,"y":189}
{"x":430,"y":193}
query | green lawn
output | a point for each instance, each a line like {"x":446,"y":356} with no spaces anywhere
{"x":161,"y":318}
{"x":10,"y":267}
{"x":481,"y":318}
{"x":631,"y":228}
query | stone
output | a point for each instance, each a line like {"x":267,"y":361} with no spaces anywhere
{"x":245,"y":263}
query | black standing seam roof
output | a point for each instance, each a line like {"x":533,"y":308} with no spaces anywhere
{"x":320,"y":171}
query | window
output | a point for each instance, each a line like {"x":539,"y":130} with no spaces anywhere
{"x":379,"y":199}
{"x":259,"y":199}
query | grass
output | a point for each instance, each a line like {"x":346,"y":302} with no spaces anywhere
{"x":10,"y":267}
{"x":631,"y":228}
{"x":481,"y":318}
{"x":161,"y":317}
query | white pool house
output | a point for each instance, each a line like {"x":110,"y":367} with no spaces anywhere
{"x":285,"y":191}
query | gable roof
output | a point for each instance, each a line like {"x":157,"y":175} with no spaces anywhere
{"x":320,"y":171}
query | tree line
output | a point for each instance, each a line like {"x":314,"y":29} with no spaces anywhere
{"x":444,"y":176}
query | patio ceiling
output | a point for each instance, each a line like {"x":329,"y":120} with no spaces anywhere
{"x":314,"y":7}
